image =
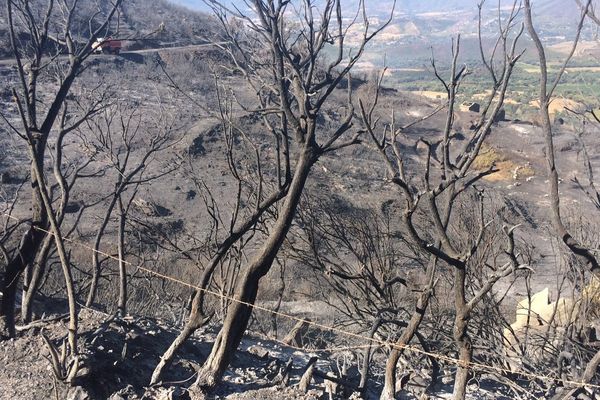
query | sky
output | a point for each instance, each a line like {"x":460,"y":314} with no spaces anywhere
{"x":197,"y":4}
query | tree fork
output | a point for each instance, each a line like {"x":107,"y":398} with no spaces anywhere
{"x":238,"y":315}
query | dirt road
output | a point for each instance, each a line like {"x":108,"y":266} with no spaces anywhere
{"x":11,"y":61}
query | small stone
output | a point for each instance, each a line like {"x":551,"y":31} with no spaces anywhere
{"x":78,"y":393}
{"x":258,"y":351}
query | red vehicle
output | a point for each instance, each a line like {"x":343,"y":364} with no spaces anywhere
{"x":107,"y":46}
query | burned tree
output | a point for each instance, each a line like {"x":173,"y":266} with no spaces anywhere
{"x":115,"y":135}
{"x":366,"y":264}
{"x":547,"y":90}
{"x":294,"y":82}
{"x":255,"y":198}
{"x":448,"y":177}
{"x":584,"y":254}
{"x":66,"y":175}
{"x":42,"y":54}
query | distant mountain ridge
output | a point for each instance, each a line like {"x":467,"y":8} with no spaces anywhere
{"x":409,"y":5}
{"x":431,"y":20}
{"x":556,"y":8}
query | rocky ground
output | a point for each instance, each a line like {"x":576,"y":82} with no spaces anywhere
{"x":119,"y":355}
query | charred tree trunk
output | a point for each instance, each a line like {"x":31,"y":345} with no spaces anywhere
{"x":187,"y":331}
{"x":364,"y":373}
{"x":27,"y":274}
{"x":95,"y":261}
{"x":37,"y":271}
{"x":307,"y":376}
{"x":461,"y":336}
{"x":122,"y":306}
{"x":27,"y":251}
{"x":238,"y":315}
{"x":197,"y":316}
{"x":389,"y":386}
{"x":59,"y":242}
{"x":194,"y":322}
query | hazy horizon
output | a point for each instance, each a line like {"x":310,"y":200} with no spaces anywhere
{"x":434,"y":4}
{"x":402,"y":6}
